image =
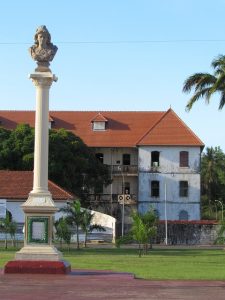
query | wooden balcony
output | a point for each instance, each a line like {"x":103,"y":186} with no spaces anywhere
{"x":124,"y":170}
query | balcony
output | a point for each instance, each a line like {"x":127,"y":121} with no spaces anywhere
{"x":125,"y":170}
{"x":106,"y":198}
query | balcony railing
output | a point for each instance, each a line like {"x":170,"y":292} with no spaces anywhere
{"x":124,"y":169}
{"x":106,"y":198}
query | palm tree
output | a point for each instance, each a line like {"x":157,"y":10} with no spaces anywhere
{"x":205,"y":85}
{"x":74,"y":216}
{"x":12,"y":232}
{"x":8,"y":226}
{"x":86,"y":225}
{"x":143,"y":228}
{"x":63,"y":232}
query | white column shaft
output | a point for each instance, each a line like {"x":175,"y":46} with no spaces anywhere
{"x":40,"y":182}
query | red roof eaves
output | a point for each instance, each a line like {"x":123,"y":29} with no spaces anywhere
{"x":150,"y":129}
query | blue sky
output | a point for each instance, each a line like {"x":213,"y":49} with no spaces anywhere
{"x":116,"y":55}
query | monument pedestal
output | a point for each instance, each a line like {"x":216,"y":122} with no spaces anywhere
{"x":37,"y":267}
{"x":38,"y":254}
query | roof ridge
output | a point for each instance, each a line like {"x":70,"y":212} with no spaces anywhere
{"x":94,"y":111}
{"x":153,"y":126}
{"x":189,"y":129}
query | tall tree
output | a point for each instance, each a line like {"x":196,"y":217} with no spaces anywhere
{"x":205,"y":84}
{"x":212,"y":178}
{"x":63,"y":232}
{"x":17,"y":148}
{"x":71,"y":163}
{"x":74,"y":217}
{"x":8,"y":226}
{"x":86,"y":225}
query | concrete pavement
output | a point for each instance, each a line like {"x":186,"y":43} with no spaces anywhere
{"x":93,"y":285}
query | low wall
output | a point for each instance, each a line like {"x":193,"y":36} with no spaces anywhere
{"x":188,"y":233}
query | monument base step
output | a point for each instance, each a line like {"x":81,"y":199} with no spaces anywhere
{"x":37,"y":267}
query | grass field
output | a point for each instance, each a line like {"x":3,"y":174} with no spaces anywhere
{"x":158,"y":264}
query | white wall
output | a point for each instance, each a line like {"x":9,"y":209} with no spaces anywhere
{"x":169,"y":174}
{"x":17,"y":213}
{"x":108,"y":222}
{"x":169,"y":159}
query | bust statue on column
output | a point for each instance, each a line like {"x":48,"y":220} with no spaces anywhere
{"x":43,"y":51}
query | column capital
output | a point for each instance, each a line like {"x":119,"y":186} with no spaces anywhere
{"x":43,"y":79}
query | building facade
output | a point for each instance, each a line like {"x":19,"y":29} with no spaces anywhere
{"x":154,"y":159}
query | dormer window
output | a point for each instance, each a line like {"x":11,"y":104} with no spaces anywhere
{"x":98,"y":125}
{"x":99,"y":122}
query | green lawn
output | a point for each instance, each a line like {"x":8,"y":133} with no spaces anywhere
{"x":158,"y":264}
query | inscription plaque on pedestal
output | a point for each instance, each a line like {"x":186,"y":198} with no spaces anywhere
{"x":37,"y":229}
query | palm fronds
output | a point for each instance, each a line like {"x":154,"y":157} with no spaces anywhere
{"x":205,"y":85}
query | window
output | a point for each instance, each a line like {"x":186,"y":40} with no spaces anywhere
{"x":183,"y":189}
{"x":98,"y":125}
{"x":126,"y":159}
{"x":155,"y":158}
{"x":155,"y":188}
{"x":183,"y":215}
{"x":100,"y":157}
{"x":184,"y":159}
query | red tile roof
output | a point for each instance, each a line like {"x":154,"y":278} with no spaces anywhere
{"x":170,"y":130}
{"x":124,"y":128}
{"x":18,"y":184}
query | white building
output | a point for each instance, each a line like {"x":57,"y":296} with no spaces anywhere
{"x":154,"y":158}
{"x":15,"y":187}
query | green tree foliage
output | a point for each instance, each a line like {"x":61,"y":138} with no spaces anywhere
{"x":79,"y":218}
{"x":8,"y":226}
{"x":86,"y":225}
{"x":143,"y":229}
{"x":63,"y":232}
{"x":17,"y":148}
{"x":74,"y":217}
{"x":71,"y":163}
{"x":205,"y":85}
{"x":212,"y":177}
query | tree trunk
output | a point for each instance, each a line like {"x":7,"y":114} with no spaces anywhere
{"x":78,"y":242}
{"x":6,"y":241}
{"x":85,"y":240}
{"x":139,"y":250}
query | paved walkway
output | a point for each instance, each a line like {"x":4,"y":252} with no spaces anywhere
{"x":93,"y":285}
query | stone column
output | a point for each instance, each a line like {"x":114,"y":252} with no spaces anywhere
{"x":42,"y":82}
{"x":39,"y":208}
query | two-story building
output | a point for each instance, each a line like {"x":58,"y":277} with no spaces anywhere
{"x":154,"y":158}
